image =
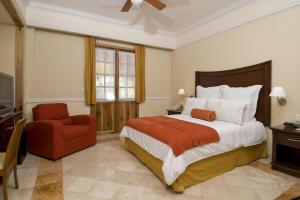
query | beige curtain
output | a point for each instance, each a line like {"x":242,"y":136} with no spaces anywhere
{"x":90,"y":71}
{"x":139,"y":74}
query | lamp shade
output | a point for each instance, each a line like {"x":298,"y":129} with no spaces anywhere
{"x":181,"y":92}
{"x":278,"y":92}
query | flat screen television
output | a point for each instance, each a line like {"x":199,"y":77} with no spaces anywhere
{"x":6,"y":93}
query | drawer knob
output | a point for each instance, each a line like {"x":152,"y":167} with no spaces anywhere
{"x":293,"y":140}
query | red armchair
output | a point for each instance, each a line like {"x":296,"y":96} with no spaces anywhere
{"x":54,"y":134}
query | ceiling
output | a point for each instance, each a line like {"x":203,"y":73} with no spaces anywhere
{"x":178,"y":17}
{"x":4,"y":16}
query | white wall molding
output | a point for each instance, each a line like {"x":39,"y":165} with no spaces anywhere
{"x":156,"y":98}
{"x":48,"y":16}
{"x":246,"y":14}
{"x":68,"y":20}
{"x":78,"y":99}
{"x":53,"y":100}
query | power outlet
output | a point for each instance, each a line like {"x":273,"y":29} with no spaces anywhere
{"x":297,"y":117}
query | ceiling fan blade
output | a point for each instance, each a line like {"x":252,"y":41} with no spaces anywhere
{"x":157,"y":4}
{"x":127,"y":6}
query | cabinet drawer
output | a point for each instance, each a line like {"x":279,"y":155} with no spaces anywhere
{"x":289,"y":140}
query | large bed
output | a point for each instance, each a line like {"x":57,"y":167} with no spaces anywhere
{"x":239,"y":144}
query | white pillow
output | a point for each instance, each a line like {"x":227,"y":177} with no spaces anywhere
{"x":192,"y":103}
{"x":209,"y":92}
{"x":226,"y":110}
{"x":248,"y":95}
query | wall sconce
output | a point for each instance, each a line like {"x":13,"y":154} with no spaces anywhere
{"x":280,"y":94}
{"x":181,"y":92}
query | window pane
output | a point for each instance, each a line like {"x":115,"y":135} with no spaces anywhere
{"x":99,"y":80}
{"x":99,"y":68}
{"x":131,"y":70}
{"x":100,"y":55}
{"x":122,"y":57}
{"x":109,"y":68}
{"x":122,"y":81}
{"x":130,"y":81}
{"x":110,"y":94}
{"x":109,"y":81}
{"x":122,"y":93}
{"x":130,"y":93}
{"x":131,"y":59}
{"x":100,"y":93}
{"x":122,"y":69}
{"x":109,"y":56}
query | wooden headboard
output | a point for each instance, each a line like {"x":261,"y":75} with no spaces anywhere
{"x":259,"y":74}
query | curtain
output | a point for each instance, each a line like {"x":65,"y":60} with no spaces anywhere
{"x":90,"y":71}
{"x":139,"y":74}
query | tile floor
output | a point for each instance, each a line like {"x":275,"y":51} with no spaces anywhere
{"x":107,"y":172}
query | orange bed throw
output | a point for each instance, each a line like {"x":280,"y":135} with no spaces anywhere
{"x":178,"y":134}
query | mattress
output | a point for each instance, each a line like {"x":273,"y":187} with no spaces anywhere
{"x":232,"y":136}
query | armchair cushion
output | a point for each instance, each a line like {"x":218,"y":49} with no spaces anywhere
{"x":75,"y":131}
{"x":56,"y":111}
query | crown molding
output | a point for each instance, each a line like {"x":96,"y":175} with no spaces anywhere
{"x":213,"y":16}
{"x":79,"y":13}
{"x":185,"y":39}
{"x":89,"y":24}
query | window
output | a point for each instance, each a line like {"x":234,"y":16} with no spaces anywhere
{"x":109,"y":86}
{"x":126,"y":75}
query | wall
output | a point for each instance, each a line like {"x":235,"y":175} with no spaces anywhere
{"x":54,"y":70}
{"x":158,"y":71}
{"x":7,"y":49}
{"x":275,"y":38}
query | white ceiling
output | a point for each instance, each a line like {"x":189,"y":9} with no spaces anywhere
{"x":4,"y":15}
{"x":178,"y":17}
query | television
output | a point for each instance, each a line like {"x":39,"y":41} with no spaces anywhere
{"x":6,"y":93}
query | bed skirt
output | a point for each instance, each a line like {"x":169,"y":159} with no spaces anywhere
{"x":201,"y":170}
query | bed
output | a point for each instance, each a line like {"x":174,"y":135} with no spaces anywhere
{"x":239,"y":145}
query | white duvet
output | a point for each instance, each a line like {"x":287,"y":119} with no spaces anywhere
{"x":232,"y":136}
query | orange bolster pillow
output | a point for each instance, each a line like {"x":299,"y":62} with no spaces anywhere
{"x":206,"y":115}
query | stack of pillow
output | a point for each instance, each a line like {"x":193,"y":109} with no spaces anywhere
{"x":230,"y":104}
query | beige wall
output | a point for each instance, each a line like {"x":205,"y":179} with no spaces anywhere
{"x":54,"y":70}
{"x":158,"y":71}
{"x":7,"y":49}
{"x":276,"y":38}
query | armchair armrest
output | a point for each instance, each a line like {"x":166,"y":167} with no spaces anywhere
{"x":45,"y":138}
{"x":83,"y":119}
{"x":87,"y":120}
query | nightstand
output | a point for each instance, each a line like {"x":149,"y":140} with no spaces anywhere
{"x":173,"y":112}
{"x":286,"y":150}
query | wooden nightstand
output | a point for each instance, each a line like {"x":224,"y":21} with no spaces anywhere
{"x":286,"y":150}
{"x":173,"y":112}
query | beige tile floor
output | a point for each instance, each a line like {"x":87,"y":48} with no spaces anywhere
{"x":107,"y":172}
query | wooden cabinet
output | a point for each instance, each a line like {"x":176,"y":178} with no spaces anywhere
{"x":286,"y":150}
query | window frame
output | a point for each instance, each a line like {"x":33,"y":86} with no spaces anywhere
{"x":117,"y":67}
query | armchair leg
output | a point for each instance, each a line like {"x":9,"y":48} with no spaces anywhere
{"x":16,"y":176}
{"x":4,"y":186}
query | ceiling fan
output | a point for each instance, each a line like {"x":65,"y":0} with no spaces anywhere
{"x":129,"y":3}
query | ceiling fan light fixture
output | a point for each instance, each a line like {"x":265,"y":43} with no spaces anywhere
{"x":137,"y":2}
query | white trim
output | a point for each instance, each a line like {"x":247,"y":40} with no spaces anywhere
{"x":156,"y":98}
{"x":213,"y":16}
{"x":53,"y":100}
{"x":113,"y":29}
{"x":83,"y":14}
{"x":229,"y":25}
{"x":74,"y":99}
